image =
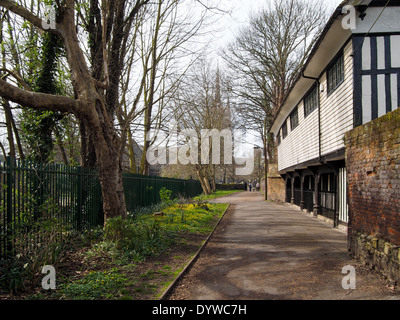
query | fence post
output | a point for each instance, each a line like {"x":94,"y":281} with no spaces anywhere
{"x":9,"y":198}
{"x":79,"y":201}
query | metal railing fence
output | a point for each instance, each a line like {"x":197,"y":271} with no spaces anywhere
{"x":31,"y":192}
{"x":143,"y":191}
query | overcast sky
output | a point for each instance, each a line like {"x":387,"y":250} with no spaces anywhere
{"x":240,"y":11}
{"x":243,"y":8}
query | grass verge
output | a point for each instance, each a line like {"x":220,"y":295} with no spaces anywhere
{"x":134,"y":258}
{"x":217,"y":194}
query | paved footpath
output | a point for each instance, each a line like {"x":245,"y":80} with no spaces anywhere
{"x":269,"y":251}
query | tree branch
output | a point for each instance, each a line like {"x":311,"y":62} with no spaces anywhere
{"x":17,"y":76}
{"x":37,"y":100}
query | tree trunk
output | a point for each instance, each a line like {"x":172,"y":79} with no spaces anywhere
{"x":144,"y":165}
{"x":203,"y":181}
{"x":10,"y":137}
{"x":17,"y":139}
{"x":88,"y":153}
{"x":110,"y":175}
{"x":131,"y":152}
{"x":213,"y":185}
{"x":61,"y":145}
{"x":108,"y":164}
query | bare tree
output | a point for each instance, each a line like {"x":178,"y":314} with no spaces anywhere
{"x":267,"y":57}
{"x":13,"y":136}
{"x":202,"y":107}
{"x":166,"y":46}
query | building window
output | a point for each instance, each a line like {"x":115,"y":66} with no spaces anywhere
{"x":294,"y":119}
{"x":278,"y":137}
{"x":311,"y":101}
{"x":284,"y":130}
{"x":335,"y":74}
{"x":327,"y":183}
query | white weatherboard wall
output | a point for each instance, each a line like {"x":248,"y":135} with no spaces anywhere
{"x":302,"y":144}
{"x":337,"y":107}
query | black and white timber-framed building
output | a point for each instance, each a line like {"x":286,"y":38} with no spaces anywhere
{"x":351,"y":77}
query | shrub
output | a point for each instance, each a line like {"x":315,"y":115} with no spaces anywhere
{"x":137,"y":239}
{"x":40,"y":244}
{"x":12,"y":275}
{"x":165,"y":195}
{"x":145,"y":211}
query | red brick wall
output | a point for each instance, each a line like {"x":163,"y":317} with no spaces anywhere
{"x":373,"y":174}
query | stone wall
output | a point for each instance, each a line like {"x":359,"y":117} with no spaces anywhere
{"x":231,"y":186}
{"x":276,"y":185}
{"x":373,"y":175}
{"x":377,"y":253}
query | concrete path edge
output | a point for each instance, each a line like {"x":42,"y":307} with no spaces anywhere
{"x":193,"y":260}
